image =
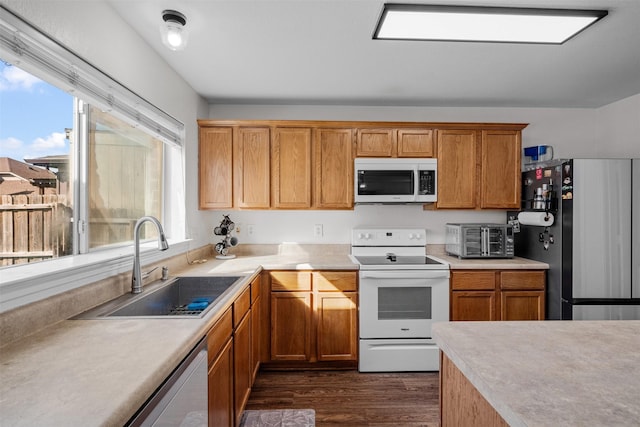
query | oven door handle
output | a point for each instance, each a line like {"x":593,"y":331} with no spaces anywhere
{"x":395,"y":274}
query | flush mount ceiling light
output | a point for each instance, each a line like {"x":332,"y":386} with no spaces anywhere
{"x":482,"y":24}
{"x":174,"y":34}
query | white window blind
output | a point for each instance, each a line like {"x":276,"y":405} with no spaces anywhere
{"x":29,"y":48}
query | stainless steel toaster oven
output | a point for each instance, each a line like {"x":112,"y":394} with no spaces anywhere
{"x":479,"y":240}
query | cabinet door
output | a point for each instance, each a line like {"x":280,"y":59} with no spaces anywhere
{"x":522,"y":305}
{"x":291,"y":168}
{"x":291,"y":326}
{"x":333,"y":158}
{"x":215,"y":167}
{"x":500,"y":183}
{"x":221,"y":388}
{"x":256,"y":338}
{"x":375,"y":143}
{"x":337,"y":337}
{"x":252,"y":154}
{"x":473,"y":305}
{"x":415,"y":143}
{"x":242,"y":364}
{"x":457,"y":157}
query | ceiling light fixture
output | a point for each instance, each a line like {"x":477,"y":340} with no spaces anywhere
{"x":482,"y":24}
{"x":174,"y":34}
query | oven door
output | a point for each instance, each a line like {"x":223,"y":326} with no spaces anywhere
{"x":402,"y":303}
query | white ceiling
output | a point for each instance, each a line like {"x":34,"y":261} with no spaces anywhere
{"x":322,"y":52}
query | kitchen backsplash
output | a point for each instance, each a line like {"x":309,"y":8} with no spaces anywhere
{"x":334,"y":227}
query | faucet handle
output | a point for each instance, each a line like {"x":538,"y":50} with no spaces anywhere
{"x":148,"y":273}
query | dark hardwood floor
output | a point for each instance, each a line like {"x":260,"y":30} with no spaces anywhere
{"x":350,"y":398}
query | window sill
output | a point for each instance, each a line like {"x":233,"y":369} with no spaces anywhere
{"x":28,"y":283}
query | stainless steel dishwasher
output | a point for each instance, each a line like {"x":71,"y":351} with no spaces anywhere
{"x":182,"y":399}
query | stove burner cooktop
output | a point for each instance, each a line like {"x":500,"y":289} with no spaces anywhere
{"x":402,"y":262}
{"x":396,"y":260}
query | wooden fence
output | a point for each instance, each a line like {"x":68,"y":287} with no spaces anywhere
{"x":34,"y":228}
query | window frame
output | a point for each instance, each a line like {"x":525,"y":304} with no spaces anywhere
{"x":35,"y":52}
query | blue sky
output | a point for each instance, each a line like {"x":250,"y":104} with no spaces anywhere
{"x":33,"y":115}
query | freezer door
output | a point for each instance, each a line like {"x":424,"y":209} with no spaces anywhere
{"x":606,"y":312}
{"x":601,"y":228}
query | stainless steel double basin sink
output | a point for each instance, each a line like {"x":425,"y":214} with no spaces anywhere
{"x":178,"y":297}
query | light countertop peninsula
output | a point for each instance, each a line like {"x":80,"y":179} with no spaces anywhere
{"x":553,"y":373}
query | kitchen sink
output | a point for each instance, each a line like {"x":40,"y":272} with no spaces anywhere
{"x":179,"y":297}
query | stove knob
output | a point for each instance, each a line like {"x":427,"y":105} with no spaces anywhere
{"x":360,"y":236}
{"x":418,"y":236}
{"x":367,"y":236}
{"x":411,"y":236}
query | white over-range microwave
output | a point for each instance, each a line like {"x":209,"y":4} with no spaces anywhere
{"x":393,"y":180}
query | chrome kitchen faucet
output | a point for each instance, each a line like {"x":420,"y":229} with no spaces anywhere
{"x":136,"y":278}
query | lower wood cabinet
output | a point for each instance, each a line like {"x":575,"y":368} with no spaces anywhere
{"x":497,"y":295}
{"x":233,"y":347}
{"x":242,"y":368}
{"x":220,"y":377}
{"x":461,"y":404}
{"x":313,"y":319}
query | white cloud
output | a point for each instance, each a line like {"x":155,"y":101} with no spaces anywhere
{"x":10,"y":143}
{"x":13,"y":78}
{"x":50,"y":143}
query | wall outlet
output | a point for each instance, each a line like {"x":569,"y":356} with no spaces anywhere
{"x":251,"y":229}
{"x":317,"y":230}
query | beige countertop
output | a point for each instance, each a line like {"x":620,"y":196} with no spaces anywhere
{"x":515,"y":263}
{"x":99,"y":372}
{"x":555,"y":373}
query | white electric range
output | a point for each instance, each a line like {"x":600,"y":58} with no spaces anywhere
{"x":403,"y":292}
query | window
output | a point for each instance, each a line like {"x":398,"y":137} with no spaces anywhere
{"x":123,"y":182}
{"x":124,"y":179}
{"x":112,"y":157}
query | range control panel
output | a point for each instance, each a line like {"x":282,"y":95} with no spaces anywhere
{"x":388,"y":237}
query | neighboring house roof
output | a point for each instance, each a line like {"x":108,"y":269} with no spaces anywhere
{"x":11,"y":167}
{"x":55,"y":161}
{"x":21,"y":178}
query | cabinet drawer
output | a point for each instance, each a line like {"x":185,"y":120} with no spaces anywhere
{"x":327,"y":281}
{"x":473,"y":280}
{"x":522,"y":280}
{"x":255,"y":289}
{"x":290,"y":281}
{"x":241,"y":306}
{"x":218,"y":335}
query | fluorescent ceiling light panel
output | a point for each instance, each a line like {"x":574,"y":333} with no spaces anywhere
{"x":482,"y":24}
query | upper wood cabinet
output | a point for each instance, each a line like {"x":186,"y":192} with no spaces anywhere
{"x":333,"y":160}
{"x":500,"y":171}
{"x":394,"y":143}
{"x":375,"y":143}
{"x":251,"y":167}
{"x":291,"y":168}
{"x":457,"y":158}
{"x":415,"y":143}
{"x":478,"y":169}
{"x":306,"y":164}
{"x":215,"y":159}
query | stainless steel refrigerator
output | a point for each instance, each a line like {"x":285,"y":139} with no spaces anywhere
{"x":593,"y":245}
